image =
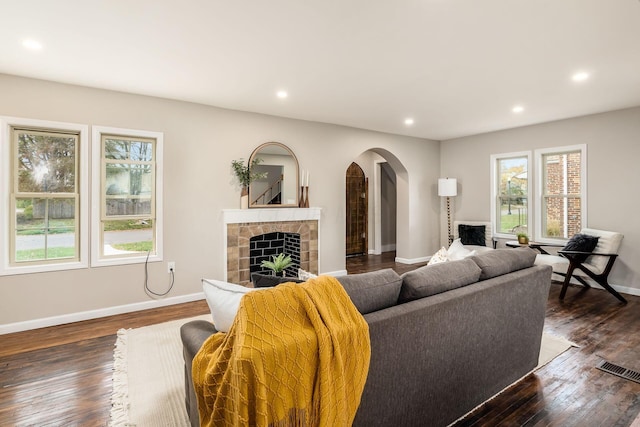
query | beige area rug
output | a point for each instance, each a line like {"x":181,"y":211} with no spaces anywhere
{"x":148,"y":378}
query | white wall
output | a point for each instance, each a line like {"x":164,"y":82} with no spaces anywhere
{"x":199,"y":144}
{"x":388,"y":207}
{"x":613,"y":152}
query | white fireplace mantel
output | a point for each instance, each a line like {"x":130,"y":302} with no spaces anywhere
{"x":240,"y":216}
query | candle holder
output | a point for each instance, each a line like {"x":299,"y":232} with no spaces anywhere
{"x":306,"y":197}
{"x":301,"y":202}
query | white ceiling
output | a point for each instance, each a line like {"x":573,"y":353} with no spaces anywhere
{"x":456,"y":66}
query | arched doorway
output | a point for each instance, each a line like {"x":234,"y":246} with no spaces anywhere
{"x":356,"y":215}
{"x":387,"y":196}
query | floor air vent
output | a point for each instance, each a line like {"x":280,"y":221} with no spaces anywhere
{"x":619,"y":371}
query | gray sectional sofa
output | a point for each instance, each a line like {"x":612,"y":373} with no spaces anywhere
{"x":444,"y":338}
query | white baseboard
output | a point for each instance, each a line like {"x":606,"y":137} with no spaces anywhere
{"x":94,"y":314}
{"x":627,"y":290}
{"x":621,"y":289}
{"x":412,"y":260}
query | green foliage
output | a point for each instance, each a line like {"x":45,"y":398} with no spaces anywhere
{"x":39,"y":254}
{"x":245,"y":174}
{"x":553,"y":228}
{"x":522,"y":235}
{"x":134,"y":246}
{"x":279,"y":263}
{"x":28,"y":212}
{"x":46,"y":162}
{"x":121,"y":225}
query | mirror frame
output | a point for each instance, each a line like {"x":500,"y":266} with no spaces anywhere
{"x":297,"y":174}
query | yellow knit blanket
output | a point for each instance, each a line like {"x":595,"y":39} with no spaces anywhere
{"x":296,"y":355}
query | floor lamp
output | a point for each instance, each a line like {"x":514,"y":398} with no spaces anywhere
{"x":448,"y":187}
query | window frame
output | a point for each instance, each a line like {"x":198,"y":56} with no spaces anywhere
{"x":495,"y":191}
{"x":582,"y":148}
{"x":7,"y":178}
{"x":98,"y":198}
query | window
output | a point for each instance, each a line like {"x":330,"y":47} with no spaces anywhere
{"x":562,"y":191}
{"x":510,"y":207}
{"x":45,"y":207}
{"x":126,"y":196}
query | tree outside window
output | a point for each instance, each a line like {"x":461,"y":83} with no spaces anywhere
{"x":45,"y":196}
{"x":512,"y":195}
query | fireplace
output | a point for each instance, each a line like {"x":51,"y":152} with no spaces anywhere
{"x":265,"y":246}
{"x":241,"y":225}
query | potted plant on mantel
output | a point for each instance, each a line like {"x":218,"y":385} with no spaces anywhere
{"x":245,"y":175}
{"x":278,"y":265}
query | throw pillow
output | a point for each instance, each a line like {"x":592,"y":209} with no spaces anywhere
{"x":305,"y":275}
{"x":580,"y":243}
{"x":435,"y":279}
{"x":472,"y":234}
{"x":223,"y":299}
{"x":372,"y":291}
{"x":502,"y":261}
{"x":268,"y":280}
{"x":457,"y":251}
{"x":438,"y":257}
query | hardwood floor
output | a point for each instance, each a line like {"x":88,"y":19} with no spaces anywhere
{"x":61,"y":376}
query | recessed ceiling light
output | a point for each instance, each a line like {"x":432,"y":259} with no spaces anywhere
{"x":518,"y":109}
{"x":282,"y":94}
{"x":32,"y":44}
{"x":580,"y":77}
{"x":408,"y":121}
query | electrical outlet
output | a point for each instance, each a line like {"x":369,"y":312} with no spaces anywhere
{"x":171,"y":267}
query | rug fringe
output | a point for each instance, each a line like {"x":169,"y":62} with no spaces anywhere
{"x":119,"y":415}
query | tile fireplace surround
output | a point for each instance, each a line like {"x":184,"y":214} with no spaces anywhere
{"x":240,"y":225}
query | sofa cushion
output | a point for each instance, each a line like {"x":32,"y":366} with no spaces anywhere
{"x":372,"y":291}
{"x":267,"y":280}
{"x":223,"y":299}
{"x":472,"y":234}
{"x":503,"y":261}
{"x":435,"y":279}
{"x":458,"y":251}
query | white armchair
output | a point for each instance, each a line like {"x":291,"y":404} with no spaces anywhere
{"x":596,"y":266}
{"x":488,"y":235}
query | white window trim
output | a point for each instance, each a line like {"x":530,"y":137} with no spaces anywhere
{"x":494,"y":190}
{"x":539,"y":186}
{"x":96,"y":196}
{"x":5,"y":186}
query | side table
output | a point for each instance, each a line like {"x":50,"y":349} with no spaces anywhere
{"x":532,"y":245}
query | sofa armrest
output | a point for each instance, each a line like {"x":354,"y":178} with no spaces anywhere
{"x":193,"y":335}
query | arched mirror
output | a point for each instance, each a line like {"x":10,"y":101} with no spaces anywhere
{"x":277,"y":185}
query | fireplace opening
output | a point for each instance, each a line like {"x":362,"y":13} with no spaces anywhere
{"x":263,"y":246}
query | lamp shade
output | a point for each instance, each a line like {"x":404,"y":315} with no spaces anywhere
{"x":447,"y":187}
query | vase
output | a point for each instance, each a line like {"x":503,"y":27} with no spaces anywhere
{"x":244,"y":198}
{"x":301,"y":202}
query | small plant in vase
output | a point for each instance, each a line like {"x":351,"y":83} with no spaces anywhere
{"x":246,"y":174}
{"x":278,"y":264}
{"x":523,"y":239}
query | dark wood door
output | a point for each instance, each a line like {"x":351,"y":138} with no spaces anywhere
{"x":356,"y":238}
